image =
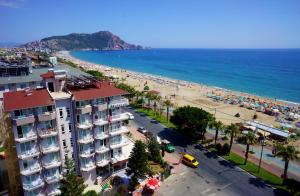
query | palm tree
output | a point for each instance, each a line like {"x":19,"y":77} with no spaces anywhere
{"x":168,"y":104}
{"x":218,"y":125}
{"x":232,"y":129}
{"x":155,"y":98}
{"x":149,"y":97}
{"x":249,"y":139}
{"x":287,"y":153}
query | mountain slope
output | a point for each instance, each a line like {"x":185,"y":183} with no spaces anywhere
{"x":102,"y":40}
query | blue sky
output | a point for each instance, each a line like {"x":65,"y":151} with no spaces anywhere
{"x":159,"y":23}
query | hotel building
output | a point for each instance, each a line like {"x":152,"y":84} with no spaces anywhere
{"x":76,"y":117}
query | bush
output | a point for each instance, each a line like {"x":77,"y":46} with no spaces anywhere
{"x":219,"y":148}
{"x":225,"y":138}
{"x":208,"y":141}
{"x":225,"y":149}
{"x":292,"y":185}
{"x":90,"y":193}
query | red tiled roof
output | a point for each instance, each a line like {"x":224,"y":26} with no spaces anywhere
{"x":104,"y":90}
{"x":154,"y":92}
{"x":22,"y":100}
{"x":49,"y":74}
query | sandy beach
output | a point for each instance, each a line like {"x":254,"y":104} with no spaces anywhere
{"x":186,"y":93}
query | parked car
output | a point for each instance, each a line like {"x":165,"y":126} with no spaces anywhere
{"x":167,"y":146}
{"x":142,"y":130}
{"x":190,"y":160}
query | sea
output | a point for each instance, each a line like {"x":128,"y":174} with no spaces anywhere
{"x":272,"y":73}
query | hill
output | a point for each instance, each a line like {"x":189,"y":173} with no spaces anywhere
{"x":102,"y":40}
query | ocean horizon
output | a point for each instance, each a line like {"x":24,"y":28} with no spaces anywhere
{"x":272,"y":73}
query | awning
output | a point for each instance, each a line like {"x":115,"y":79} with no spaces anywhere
{"x":152,"y":183}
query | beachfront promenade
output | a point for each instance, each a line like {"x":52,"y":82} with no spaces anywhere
{"x":273,"y":164}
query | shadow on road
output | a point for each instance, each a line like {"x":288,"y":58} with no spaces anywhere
{"x":226,"y":164}
{"x":211,"y":155}
{"x":174,"y":137}
{"x":257,"y":182}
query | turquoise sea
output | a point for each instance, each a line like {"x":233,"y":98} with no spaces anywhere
{"x":273,"y":73}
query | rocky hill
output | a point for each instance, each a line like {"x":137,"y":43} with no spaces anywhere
{"x":102,"y":40}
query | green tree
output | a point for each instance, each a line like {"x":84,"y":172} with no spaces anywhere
{"x":156,"y":99}
{"x":138,"y":162}
{"x":146,"y":88}
{"x":131,"y":90}
{"x":249,"y":139}
{"x":168,"y":104}
{"x":287,"y":153}
{"x":233,"y":130}
{"x":154,"y":150}
{"x":71,"y":184}
{"x":218,"y":125}
{"x":90,"y":193}
{"x":96,"y":74}
{"x":149,"y":97}
{"x":192,"y":121}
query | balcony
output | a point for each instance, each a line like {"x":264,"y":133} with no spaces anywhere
{"x":47,"y":132}
{"x":31,"y":170}
{"x":53,"y":178}
{"x":53,"y":192}
{"x":85,"y":125}
{"x":119,"y":131}
{"x":23,"y":120}
{"x":118,"y":103}
{"x":101,"y":121}
{"x":51,"y":164}
{"x":100,"y":107}
{"x":102,"y":149}
{"x":86,"y":140}
{"x":101,"y":135}
{"x":27,"y":137}
{"x":88,"y":167}
{"x":118,"y":157}
{"x":84,"y":109}
{"x":49,"y":149}
{"x":119,"y":117}
{"x":103,"y":162}
{"x":33,"y":185}
{"x":46,"y":116}
{"x":87,"y":153}
{"x":29,"y":154}
{"x":123,"y":142}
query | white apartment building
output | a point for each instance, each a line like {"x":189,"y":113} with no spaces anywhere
{"x":78,"y":117}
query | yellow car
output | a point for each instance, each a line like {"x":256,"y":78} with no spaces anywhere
{"x":190,"y":160}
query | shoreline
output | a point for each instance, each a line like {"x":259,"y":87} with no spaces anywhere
{"x":182,"y":93}
{"x":184,"y":82}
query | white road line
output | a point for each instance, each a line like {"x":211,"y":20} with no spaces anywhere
{"x":213,"y":194}
{"x":205,"y":191}
{"x":225,"y":186}
{"x":181,"y":174}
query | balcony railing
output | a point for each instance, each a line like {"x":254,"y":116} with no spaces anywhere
{"x":33,"y":185}
{"x":29,"y":153}
{"x":51,"y":164}
{"x":46,"y":116}
{"x":53,"y":178}
{"x":86,"y":139}
{"x":103,"y":162}
{"x":85,"y":124}
{"x":88,"y":167}
{"x":87,"y":153}
{"x":118,"y":103}
{"x":27,"y":137}
{"x":123,"y":142}
{"x":101,"y":135}
{"x":31,"y":170}
{"x":102,"y":149}
{"x":118,"y":157}
{"x":51,"y":148}
{"x":100,"y":106}
{"x":47,"y":132}
{"x":52,"y":192}
{"x":101,"y":121}
{"x":119,"y":117}
{"x":84,"y":109}
{"x":118,"y":131}
{"x":23,"y":120}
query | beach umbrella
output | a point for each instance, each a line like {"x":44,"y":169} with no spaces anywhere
{"x":152,"y":183}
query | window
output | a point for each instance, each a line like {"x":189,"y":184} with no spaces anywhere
{"x":64,"y":144}
{"x":22,"y":85}
{"x":68,"y":112}
{"x":71,"y":142}
{"x":62,"y":129}
{"x":2,"y":88}
{"x":61,"y":114}
{"x":70,"y":127}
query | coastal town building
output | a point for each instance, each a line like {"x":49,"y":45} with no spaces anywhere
{"x":68,"y":116}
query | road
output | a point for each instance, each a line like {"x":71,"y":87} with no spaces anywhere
{"x":214,"y":174}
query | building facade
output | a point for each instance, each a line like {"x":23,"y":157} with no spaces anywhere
{"x":80,"y":118}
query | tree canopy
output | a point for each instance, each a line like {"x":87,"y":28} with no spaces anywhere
{"x":96,"y":74}
{"x":154,"y":150}
{"x":191,"y":120}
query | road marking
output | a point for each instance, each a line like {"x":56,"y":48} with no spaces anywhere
{"x":213,"y":194}
{"x":181,"y":174}
{"x":205,"y":191}
{"x":225,"y":186}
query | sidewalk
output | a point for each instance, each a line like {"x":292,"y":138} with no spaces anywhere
{"x":270,"y":163}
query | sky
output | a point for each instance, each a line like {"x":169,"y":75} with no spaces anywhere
{"x":158,"y":23}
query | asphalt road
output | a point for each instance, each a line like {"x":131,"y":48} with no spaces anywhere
{"x":212,"y":170}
